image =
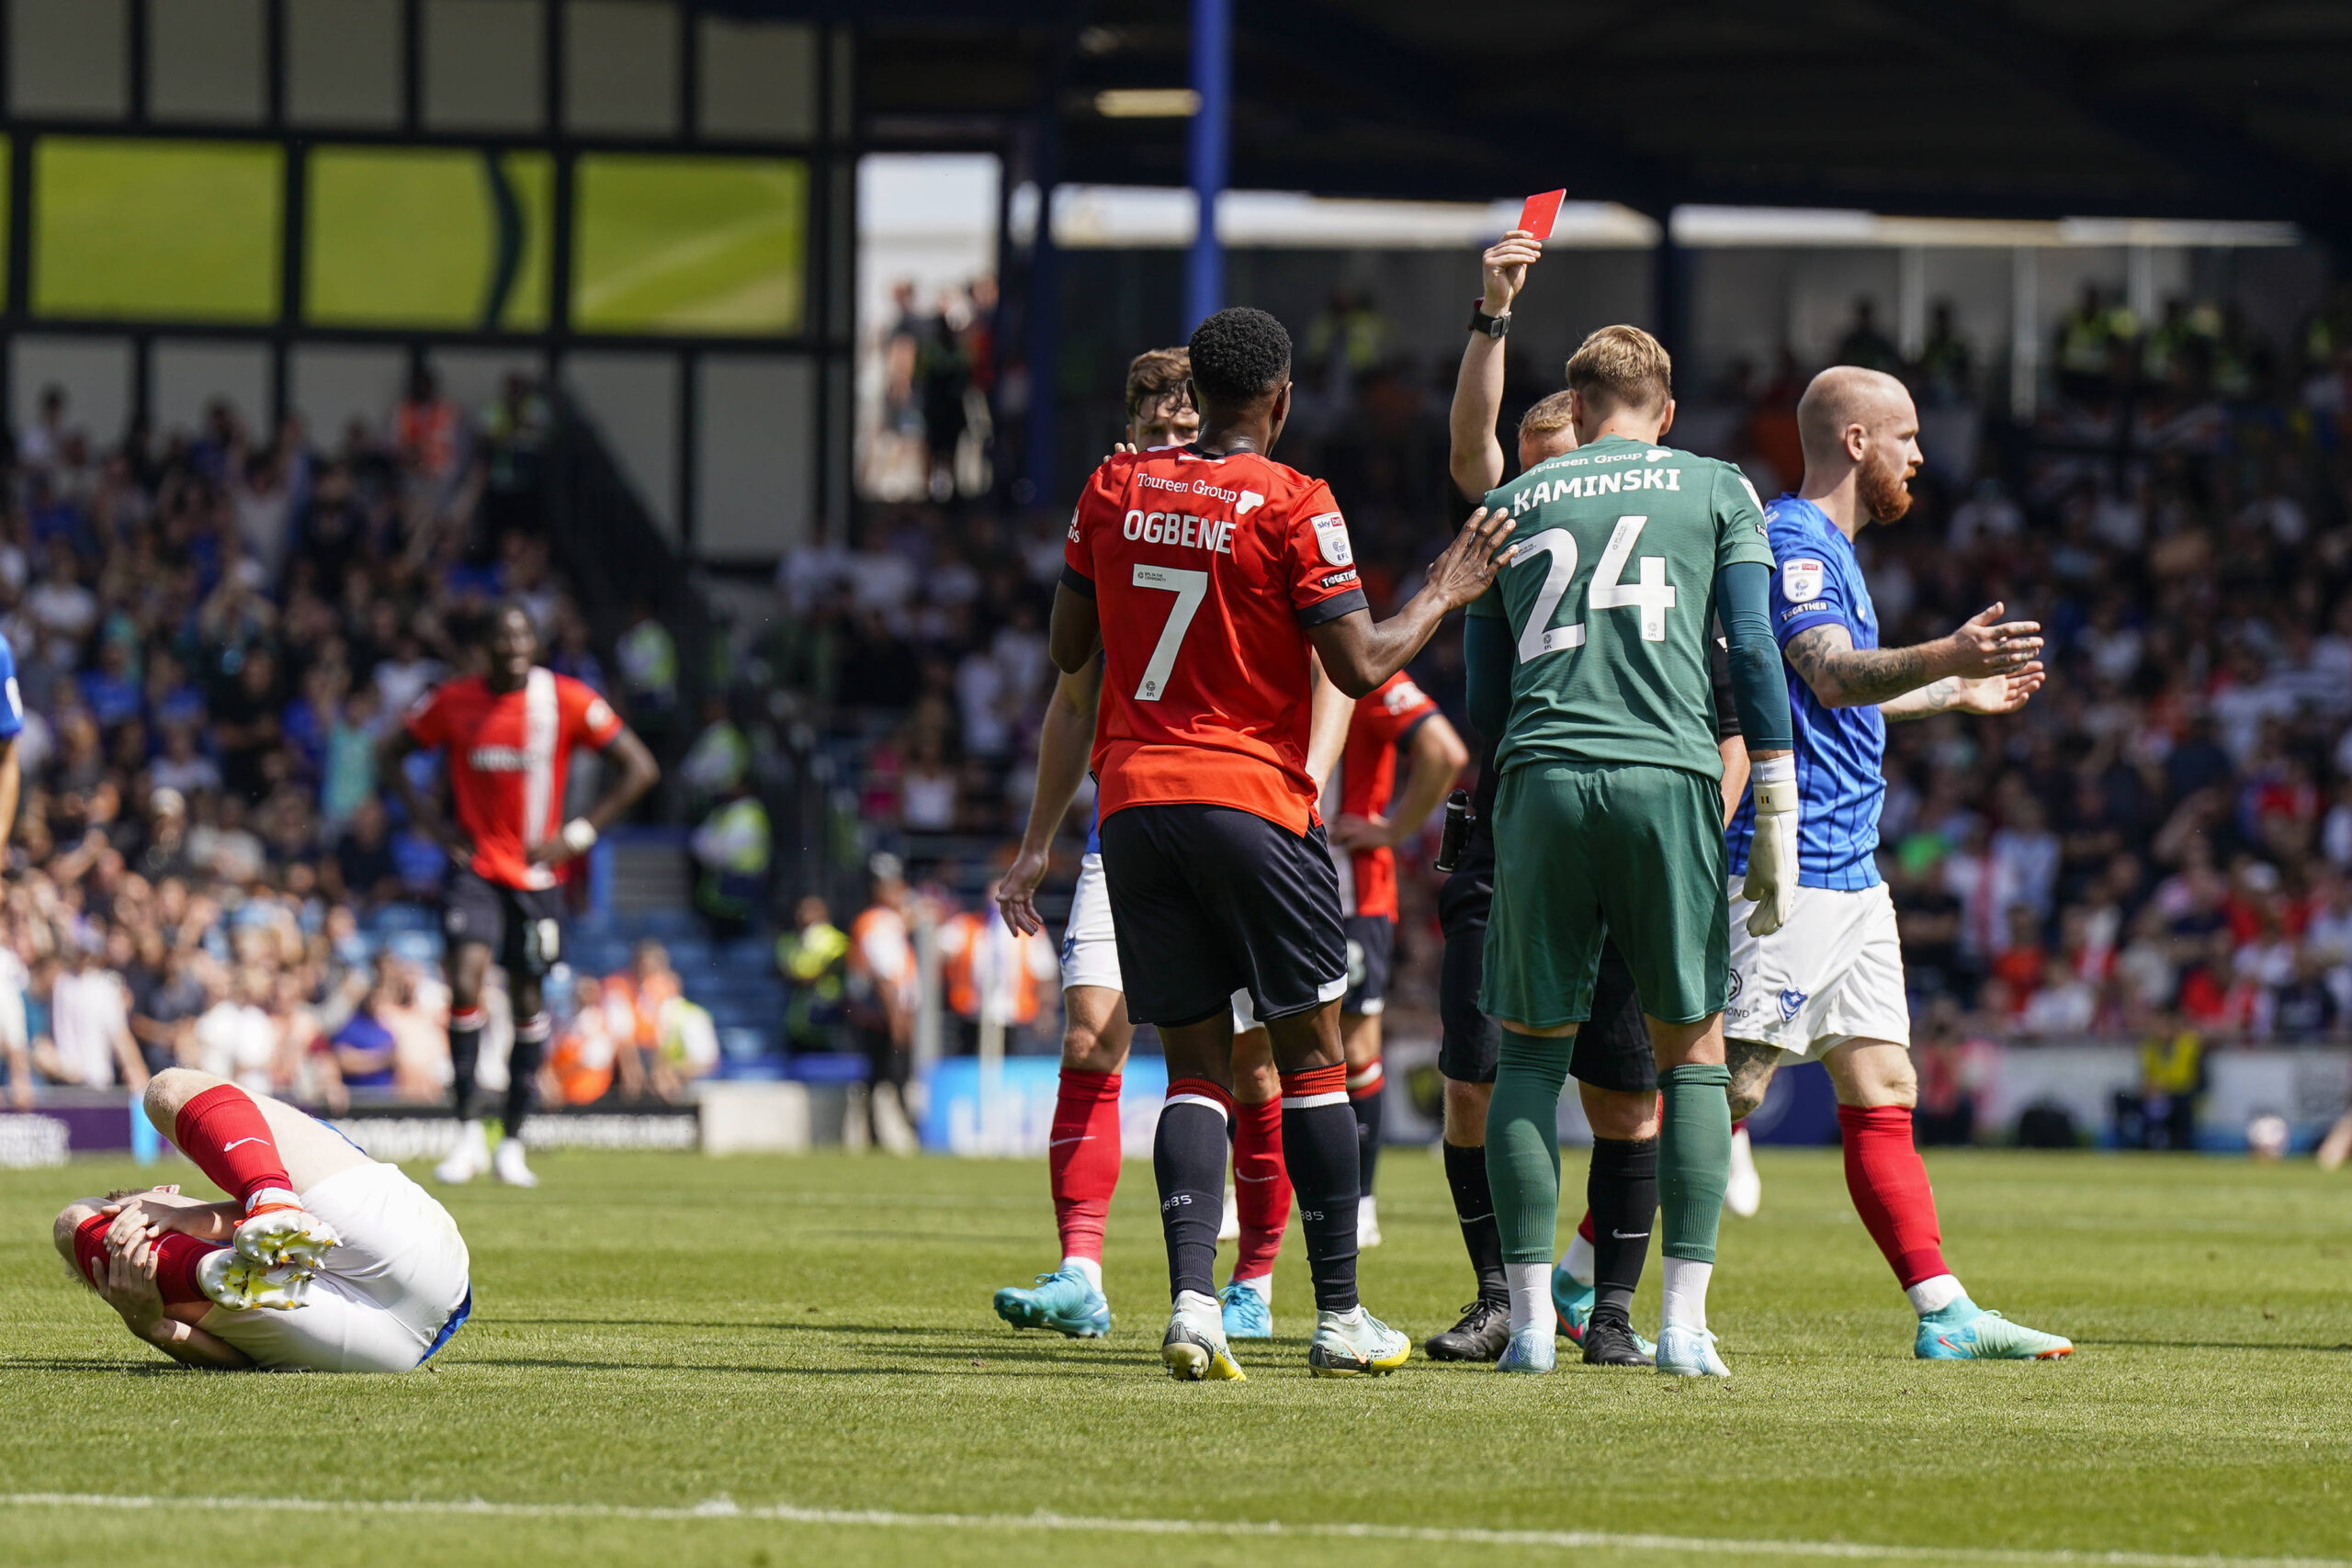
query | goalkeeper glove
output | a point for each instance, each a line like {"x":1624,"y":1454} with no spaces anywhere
{"x":1771,"y":882}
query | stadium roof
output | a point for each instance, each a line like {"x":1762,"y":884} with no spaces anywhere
{"x":2011,"y":108}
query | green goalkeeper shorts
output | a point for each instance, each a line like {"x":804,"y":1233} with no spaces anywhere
{"x":1584,"y":850}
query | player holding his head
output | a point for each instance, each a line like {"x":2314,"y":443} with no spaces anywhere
{"x":1083,"y":1146}
{"x":508,"y":734}
{"x":322,"y":1260}
{"x":1589,"y":659}
{"x":1829,"y":982}
{"x":1203,"y":576}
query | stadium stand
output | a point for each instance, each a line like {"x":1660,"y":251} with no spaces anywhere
{"x":210,"y":631}
{"x":2162,"y":844}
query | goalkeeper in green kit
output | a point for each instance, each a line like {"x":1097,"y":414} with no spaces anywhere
{"x":1589,"y":657}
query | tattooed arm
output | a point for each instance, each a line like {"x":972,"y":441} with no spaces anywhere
{"x":1954,"y":694}
{"x":1844,"y":676}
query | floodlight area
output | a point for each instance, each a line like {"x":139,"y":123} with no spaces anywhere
{"x":1724,"y":228}
{"x":1097,"y":217}
{"x":1107,"y":217}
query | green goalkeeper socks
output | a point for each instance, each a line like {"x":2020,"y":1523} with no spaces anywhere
{"x":1693,"y":1157}
{"x":1523,"y":1144}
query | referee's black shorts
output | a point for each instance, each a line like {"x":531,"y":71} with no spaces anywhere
{"x":1208,"y":900}
{"x":1612,"y":1048}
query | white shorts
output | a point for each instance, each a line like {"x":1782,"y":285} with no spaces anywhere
{"x":380,"y":1301}
{"x":1833,"y":974}
{"x":1090,"y":942}
{"x":1245,"y":1015}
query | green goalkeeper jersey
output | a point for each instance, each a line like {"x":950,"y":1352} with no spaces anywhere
{"x":1611,"y":602}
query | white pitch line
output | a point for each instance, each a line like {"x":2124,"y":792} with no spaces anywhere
{"x":877,"y":1519}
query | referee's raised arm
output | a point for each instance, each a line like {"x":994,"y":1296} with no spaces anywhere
{"x":1476,"y":460}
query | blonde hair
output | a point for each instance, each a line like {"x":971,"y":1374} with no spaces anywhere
{"x":1549,"y":415}
{"x":1622,"y":367}
{"x":1154,"y":373}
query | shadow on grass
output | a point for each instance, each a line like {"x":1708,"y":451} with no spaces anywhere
{"x":2340,"y":1349}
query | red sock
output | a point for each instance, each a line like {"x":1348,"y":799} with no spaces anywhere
{"x":225,"y":1133}
{"x":1740,"y":1125}
{"x":1889,"y":1183}
{"x":1583,"y":1227}
{"x":174,"y":1276}
{"x":90,"y":1246}
{"x":1082,"y":1158}
{"x":1260,"y":1187}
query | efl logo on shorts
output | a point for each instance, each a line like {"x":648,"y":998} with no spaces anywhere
{"x":1331,"y":539}
{"x":1800,"y":581}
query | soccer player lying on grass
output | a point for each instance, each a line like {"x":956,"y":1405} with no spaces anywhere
{"x":322,"y":1260}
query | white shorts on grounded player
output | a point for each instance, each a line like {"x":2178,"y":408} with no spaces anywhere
{"x":1833,"y":974}
{"x":1090,"y":942}
{"x":380,"y":1299}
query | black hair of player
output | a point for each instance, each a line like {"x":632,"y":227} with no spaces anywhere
{"x":486,"y":632}
{"x":1240,"y":355}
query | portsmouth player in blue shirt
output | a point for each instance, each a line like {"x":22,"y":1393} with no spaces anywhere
{"x":1828,"y":983}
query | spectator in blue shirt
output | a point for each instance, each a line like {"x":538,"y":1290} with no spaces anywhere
{"x":364,"y":1047}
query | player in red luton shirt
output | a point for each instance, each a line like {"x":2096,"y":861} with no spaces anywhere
{"x":508,"y":735}
{"x":1204,"y":575}
{"x":1365,"y":836}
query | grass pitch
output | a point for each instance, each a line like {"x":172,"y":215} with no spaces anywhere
{"x":784,"y":1361}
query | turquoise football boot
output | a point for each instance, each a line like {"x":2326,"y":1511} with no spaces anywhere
{"x":1247,"y":1315}
{"x":1061,"y":1301}
{"x":1572,"y":1299}
{"x":1967,"y":1332}
{"x":1689,"y":1353}
{"x":1530,"y":1351}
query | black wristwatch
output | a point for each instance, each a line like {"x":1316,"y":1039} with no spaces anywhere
{"x":1493,"y":326}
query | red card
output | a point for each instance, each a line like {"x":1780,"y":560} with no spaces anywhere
{"x":1540,"y":213}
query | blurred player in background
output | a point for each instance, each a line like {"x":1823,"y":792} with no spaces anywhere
{"x":322,"y":1260}
{"x":1365,"y":832}
{"x":1608,"y":815}
{"x":507,"y":734}
{"x":1828,"y":983}
{"x":1084,"y":1149}
{"x":1203,"y":576}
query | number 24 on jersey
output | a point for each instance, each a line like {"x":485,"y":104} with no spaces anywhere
{"x":1650,"y":594}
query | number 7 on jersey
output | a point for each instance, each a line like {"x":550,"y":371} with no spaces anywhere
{"x":1190,"y":588}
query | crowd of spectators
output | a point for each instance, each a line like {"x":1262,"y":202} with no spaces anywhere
{"x":210,"y":631}
{"x":2161,"y":841}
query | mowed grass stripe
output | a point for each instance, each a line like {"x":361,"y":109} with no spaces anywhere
{"x":1260,"y":1529}
{"x":653,"y":1330}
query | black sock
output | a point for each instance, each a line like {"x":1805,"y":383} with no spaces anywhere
{"x":465,"y":1053}
{"x":1367,"y":1109}
{"x":1320,"y":1147}
{"x":1622,"y":1192}
{"x":523,"y":1070}
{"x":1188,"y":1159}
{"x":1474,"y":1205}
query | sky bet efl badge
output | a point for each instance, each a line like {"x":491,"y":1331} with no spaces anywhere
{"x":1331,"y":537}
{"x":1800,"y":581}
